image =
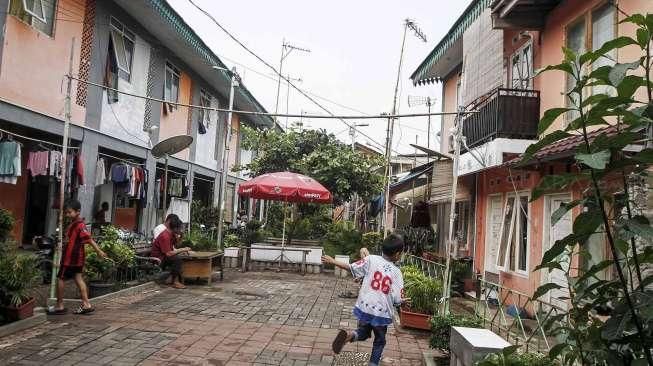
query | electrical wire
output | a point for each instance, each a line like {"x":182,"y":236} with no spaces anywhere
{"x":275,"y":70}
{"x":34,"y":139}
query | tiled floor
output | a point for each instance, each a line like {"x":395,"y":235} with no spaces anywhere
{"x":253,"y":318}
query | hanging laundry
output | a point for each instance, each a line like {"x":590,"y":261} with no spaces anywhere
{"x":10,"y":162}
{"x":180,"y":208}
{"x":120,"y":173}
{"x":37,"y":163}
{"x":100,"y":172}
{"x":55,"y":164}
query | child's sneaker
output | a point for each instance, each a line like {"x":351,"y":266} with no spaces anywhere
{"x":340,"y":341}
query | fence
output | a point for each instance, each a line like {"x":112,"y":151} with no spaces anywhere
{"x":432,"y":269}
{"x":515,"y":316}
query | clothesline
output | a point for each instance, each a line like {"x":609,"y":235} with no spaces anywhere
{"x":172,"y":172}
{"x":203,"y":179}
{"x":120,"y":159}
{"x":35,"y":140}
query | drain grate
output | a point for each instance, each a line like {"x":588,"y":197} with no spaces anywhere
{"x":352,"y":359}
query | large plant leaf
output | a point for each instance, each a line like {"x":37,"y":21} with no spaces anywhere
{"x":544,"y":289}
{"x":587,"y":222}
{"x":629,"y":85}
{"x":618,"y":71}
{"x":563,"y":209}
{"x":608,"y":46}
{"x":597,"y":160}
{"x":554,"y":136}
{"x":553,"y":183}
{"x":549,"y":117}
{"x":644,"y":156}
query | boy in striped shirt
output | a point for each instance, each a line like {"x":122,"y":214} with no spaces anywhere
{"x":381,"y":291}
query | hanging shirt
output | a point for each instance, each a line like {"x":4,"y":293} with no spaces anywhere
{"x":180,"y":208}
{"x":55,"y":164}
{"x":100,"y":172}
{"x":10,"y":162}
{"x":119,"y":173}
{"x":380,"y":291}
{"x":37,"y":163}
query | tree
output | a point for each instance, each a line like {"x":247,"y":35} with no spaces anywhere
{"x":610,"y":321}
{"x":318,"y":155}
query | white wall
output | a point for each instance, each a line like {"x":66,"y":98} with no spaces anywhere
{"x":205,"y":148}
{"x":130,"y":111}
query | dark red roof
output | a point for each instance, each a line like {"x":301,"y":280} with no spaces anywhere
{"x":565,"y":147}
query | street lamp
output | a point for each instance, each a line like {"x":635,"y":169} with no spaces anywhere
{"x":235,"y":80}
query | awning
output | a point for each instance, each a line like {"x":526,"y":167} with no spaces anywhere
{"x":412,"y":176}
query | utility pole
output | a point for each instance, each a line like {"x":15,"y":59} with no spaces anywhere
{"x":352,"y":133}
{"x":390,"y":130}
{"x":457,"y":141}
{"x":64,"y":162}
{"x":225,"y":156}
{"x":286,"y":49}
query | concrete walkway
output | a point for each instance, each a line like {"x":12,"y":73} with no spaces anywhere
{"x":249,"y":319}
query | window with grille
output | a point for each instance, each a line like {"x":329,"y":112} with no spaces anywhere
{"x":204,"y":120}
{"x":123,"y":48}
{"x":522,"y":68}
{"x":513,"y":240}
{"x":171,"y":91}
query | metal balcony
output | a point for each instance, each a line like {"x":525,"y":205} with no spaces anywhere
{"x":506,"y":113}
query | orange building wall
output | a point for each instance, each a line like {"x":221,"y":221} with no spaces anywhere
{"x":552,"y":83}
{"x":34,"y":64}
{"x":449,"y":105}
{"x":177,"y":122}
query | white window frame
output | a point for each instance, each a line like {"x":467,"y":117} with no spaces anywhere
{"x":205,"y":113}
{"x":502,"y":264}
{"x":117,"y":29}
{"x":488,"y":234}
{"x":519,"y":56}
{"x":170,"y":67}
{"x":31,"y":11}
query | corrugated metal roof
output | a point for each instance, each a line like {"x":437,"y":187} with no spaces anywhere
{"x":470,"y":14}
{"x":186,"y":32}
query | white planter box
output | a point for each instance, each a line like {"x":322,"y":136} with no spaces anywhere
{"x":231,"y":252}
{"x":269,"y":253}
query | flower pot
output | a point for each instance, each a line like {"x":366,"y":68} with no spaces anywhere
{"x":415,"y":320}
{"x":96,"y":289}
{"x":20,"y":312}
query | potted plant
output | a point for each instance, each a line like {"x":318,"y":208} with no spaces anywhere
{"x":424,"y":293}
{"x":6,"y":224}
{"x":18,"y":274}
{"x":101,"y":273}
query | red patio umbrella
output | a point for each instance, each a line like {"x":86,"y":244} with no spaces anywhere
{"x":286,"y":187}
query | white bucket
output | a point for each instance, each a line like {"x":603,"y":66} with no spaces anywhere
{"x":338,"y":271}
{"x":232,"y":252}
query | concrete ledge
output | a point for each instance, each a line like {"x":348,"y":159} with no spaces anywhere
{"x":38,"y":318}
{"x":120,"y":293}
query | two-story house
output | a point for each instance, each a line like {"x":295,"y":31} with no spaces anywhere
{"x":486,"y":63}
{"x":127,"y":57}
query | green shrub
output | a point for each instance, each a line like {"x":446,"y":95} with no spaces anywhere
{"x":231,"y":241}
{"x":198,"y":240}
{"x":6,"y":224}
{"x":511,"y":357}
{"x":342,"y":238}
{"x":120,"y":255}
{"x":18,"y":274}
{"x":372,"y":241}
{"x":423,"y":291}
{"x":441,"y":328}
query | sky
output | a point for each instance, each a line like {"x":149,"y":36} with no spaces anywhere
{"x":352,"y":65}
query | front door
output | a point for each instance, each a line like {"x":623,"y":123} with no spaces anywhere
{"x":561,"y":229}
{"x":495,"y":220}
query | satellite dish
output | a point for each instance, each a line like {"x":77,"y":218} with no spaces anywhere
{"x":165,"y":148}
{"x":171,"y":146}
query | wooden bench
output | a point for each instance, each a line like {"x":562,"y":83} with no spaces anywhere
{"x":280,"y":250}
{"x":200,"y":265}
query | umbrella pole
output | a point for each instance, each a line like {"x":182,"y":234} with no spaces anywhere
{"x":283,"y":235}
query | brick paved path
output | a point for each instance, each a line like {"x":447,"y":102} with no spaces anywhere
{"x":253,"y":318}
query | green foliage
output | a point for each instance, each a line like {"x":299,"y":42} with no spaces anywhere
{"x":343,"y":238}
{"x":510,"y":356}
{"x":417,"y":239}
{"x":423,"y":291}
{"x":231,"y":241}
{"x":372,"y":241}
{"x":19,"y":273}
{"x":119,"y":253}
{"x":441,"y":328}
{"x":253,"y":233}
{"x":199,"y":240}
{"x":606,"y":174}
{"x":6,"y":224}
{"x":318,"y":155}
{"x":204,"y":215}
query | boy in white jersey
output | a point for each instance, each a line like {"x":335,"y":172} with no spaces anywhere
{"x":381,"y":291}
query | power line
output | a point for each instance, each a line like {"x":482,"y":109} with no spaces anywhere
{"x":274,"y":69}
{"x":226,"y":110}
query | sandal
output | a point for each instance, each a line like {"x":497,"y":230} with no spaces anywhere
{"x":84,"y":311}
{"x":53,"y":311}
{"x":339,"y":342}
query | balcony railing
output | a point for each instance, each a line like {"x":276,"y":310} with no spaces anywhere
{"x":507,"y":113}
